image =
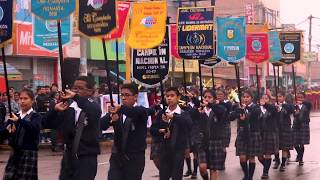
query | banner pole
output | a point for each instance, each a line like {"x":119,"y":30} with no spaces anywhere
{"x":184,"y":77}
{"x":213,"y":83}
{"x":61,"y":55}
{"x":238,"y":82}
{"x":161,"y":83}
{"x":278,"y":77}
{"x":200,"y":81}
{"x":294,"y":83}
{"x":6,"y":80}
{"x":258,"y":84}
{"x":275,"y":83}
{"x":107,"y":71}
{"x":118,"y":70}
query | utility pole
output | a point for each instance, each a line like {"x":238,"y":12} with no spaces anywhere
{"x":310,"y":41}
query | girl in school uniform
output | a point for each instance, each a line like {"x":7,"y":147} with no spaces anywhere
{"x":285,"y":131}
{"x":270,"y":140}
{"x":249,"y":140}
{"x":301,"y":128}
{"x":211,"y":147}
{"x":23,"y":130}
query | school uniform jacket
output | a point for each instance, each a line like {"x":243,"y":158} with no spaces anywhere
{"x":130,"y":132}
{"x":66,"y":122}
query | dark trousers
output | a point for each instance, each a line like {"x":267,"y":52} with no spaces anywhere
{"x":81,"y":168}
{"x":130,"y":167}
{"x":171,"y":164}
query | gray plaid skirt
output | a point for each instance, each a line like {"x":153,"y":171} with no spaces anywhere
{"x":213,"y":156}
{"x":301,"y":134}
{"x":286,"y":138}
{"x":155,"y":150}
{"x":226,"y":135}
{"x":270,"y":143}
{"x":248,"y":144}
{"x":22,"y":165}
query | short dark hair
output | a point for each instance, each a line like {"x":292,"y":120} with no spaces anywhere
{"x":89,"y":81}
{"x":302,"y":93}
{"x":175,"y":89}
{"x":282,"y":93}
{"x":29,"y":92}
{"x":250,"y":93}
{"x":212,"y":92}
{"x":132,"y":87}
{"x":54,"y":84}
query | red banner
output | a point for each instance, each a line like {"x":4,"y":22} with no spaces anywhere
{"x":123,"y":9}
{"x":174,"y":45}
{"x":257,"y":47}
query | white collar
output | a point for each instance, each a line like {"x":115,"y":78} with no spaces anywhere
{"x":77,"y":110}
{"x":124,"y":117}
{"x":226,"y":100}
{"x":250,"y":104}
{"x":207,"y":111}
{"x":24,"y":115}
{"x":263,"y":109}
{"x":177,"y":110}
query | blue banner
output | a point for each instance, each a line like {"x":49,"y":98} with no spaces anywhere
{"x":274,"y":47}
{"x":6,"y":22}
{"x":231,"y":38}
{"x":50,"y":9}
{"x":22,"y":11}
{"x":196,"y":33}
{"x":45,"y":33}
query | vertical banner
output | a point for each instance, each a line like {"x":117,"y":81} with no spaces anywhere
{"x":97,"y":18}
{"x":6,"y":21}
{"x":173,"y":41}
{"x":148,"y":24}
{"x":45,"y":33}
{"x":146,"y":64}
{"x":196,"y":33}
{"x":53,"y":9}
{"x":290,"y":46}
{"x":231,"y":39}
{"x":257,"y":43}
{"x":274,"y":47}
{"x":122,"y":15}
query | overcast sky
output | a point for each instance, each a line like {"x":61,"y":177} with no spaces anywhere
{"x":296,"y":11}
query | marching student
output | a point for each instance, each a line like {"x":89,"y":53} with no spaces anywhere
{"x":301,"y":128}
{"x":211,"y":147}
{"x":129,"y":121}
{"x":23,"y":134}
{"x":192,"y":108}
{"x":222,"y":98}
{"x":285,"y":131}
{"x":270,"y":140}
{"x":249,"y":140}
{"x":173,"y":125}
{"x":78,"y":119}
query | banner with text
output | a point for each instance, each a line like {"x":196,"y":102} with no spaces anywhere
{"x":147,"y":68}
{"x":210,"y":63}
{"x":45,"y":33}
{"x":148,"y":24}
{"x":196,"y":33}
{"x":291,"y":46}
{"x":6,"y":21}
{"x":97,"y":18}
{"x":257,"y":43}
{"x":231,"y":38}
{"x":274,"y":47}
{"x":54,"y":9}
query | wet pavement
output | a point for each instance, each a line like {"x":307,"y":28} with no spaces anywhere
{"x":49,"y":163}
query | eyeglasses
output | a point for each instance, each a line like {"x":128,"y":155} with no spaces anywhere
{"x":125,"y":95}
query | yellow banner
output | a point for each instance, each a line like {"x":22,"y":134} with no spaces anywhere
{"x":257,"y":28}
{"x":148,"y":24}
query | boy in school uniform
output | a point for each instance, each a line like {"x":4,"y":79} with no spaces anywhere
{"x":173,"y":124}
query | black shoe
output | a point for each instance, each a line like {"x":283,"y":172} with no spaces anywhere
{"x":276,"y":165}
{"x":301,"y":163}
{"x":187,"y":174}
{"x":282,"y":168}
{"x":265,"y":176}
{"x":194,"y":175}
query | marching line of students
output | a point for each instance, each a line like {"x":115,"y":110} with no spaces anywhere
{"x":202,"y":128}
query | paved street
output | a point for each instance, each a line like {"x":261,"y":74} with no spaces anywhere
{"x":49,"y":162}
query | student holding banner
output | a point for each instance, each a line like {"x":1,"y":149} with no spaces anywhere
{"x":173,"y":125}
